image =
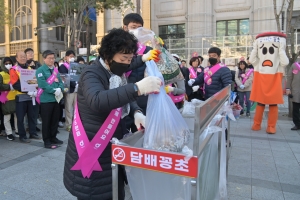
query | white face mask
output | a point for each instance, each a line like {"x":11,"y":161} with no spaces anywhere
{"x":8,"y":66}
{"x":71,"y":60}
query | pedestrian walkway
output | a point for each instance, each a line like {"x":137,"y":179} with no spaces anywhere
{"x":261,"y":166}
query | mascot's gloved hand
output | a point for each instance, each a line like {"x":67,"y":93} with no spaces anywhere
{"x":57,"y":91}
{"x":151,"y":55}
{"x":149,"y":84}
{"x":169,"y":89}
{"x":30,"y":93}
{"x":139,"y":120}
{"x":195,"y":88}
{"x":191,"y":82}
{"x":242,"y":87}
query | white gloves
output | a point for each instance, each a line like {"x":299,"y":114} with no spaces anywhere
{"x":195,"y":88}
{"x":57,"y":91}
{"x":150,"y":84}
{"x":11,"y":87}
{"x":76,"y":88}
{"x":242,"y":87}
{"x":32,"y":94}
{"x":191,"y":82}
{"x":139,"y":120}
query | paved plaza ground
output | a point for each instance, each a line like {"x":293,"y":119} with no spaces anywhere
{"x":261,"y":166}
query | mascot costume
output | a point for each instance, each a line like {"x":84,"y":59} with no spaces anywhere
{"x":269,"y":60}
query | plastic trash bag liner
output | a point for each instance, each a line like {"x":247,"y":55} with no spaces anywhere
{"x":150,"y":185}
{"x":166,"y":130}
{"x":167,"y":64}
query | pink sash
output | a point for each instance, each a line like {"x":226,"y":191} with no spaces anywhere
{"x":295,"y":71}
{"x":89,"y":152}
{"x":3,"y":95}
{"x":67,"y":65}
{"x":208,"y":72}
{"x":140,"y":51}
{"x":247,"y":75}
{"x":177,"y":99}
{"x":50,"y":80}
{"x":192,"y":73}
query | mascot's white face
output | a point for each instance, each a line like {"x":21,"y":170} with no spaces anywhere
{"x":268,"y":53}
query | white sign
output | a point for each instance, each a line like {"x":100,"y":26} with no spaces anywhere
{"x":28,"y":80}
{"x":82,"y":51}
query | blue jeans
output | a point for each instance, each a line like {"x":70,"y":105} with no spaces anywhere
{"x":241,"y":100}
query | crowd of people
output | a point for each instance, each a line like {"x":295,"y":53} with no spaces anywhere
{"x":113,"y":83}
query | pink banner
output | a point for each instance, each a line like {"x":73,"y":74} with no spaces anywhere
{"x":90,"y":153}
{"x":247,"y":75}
{"x":50,"y":80}
{"x":193,"y":74}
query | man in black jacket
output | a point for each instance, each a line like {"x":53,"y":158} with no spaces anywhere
{"x":71,"y":97}
{"x":220,"y":79}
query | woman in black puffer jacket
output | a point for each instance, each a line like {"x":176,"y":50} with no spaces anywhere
{"x":96,"y":98}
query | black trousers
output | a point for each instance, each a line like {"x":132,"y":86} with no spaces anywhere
{"x":296,"y":114}
{"x":50,"y":117}
{"x":23,"y":108}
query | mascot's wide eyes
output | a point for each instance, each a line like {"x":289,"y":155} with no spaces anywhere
{"x":265,"y":50}
{"x":271,"y":50}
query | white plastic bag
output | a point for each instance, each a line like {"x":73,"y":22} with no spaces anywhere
{"x":166,"y":129}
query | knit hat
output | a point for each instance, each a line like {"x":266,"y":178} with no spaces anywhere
{"x":7,"y":59}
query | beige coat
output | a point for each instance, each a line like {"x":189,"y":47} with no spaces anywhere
{"x":248,"y":83}
{"x":293,"y":83}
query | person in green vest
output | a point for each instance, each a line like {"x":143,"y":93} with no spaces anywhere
{"x":49,"y":99}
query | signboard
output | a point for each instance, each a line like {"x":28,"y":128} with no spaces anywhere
{"x":28,"y":80}
{"x":164,"y":162}
{"x":75,"y":71}
{"x":66,"y":81}
{"x":82,"y":51}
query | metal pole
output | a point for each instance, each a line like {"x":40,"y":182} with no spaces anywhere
{"x":115,"y":181}
{"x":228,"y":135}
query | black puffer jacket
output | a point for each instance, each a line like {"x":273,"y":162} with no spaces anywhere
{"x":189,"y":89}
{"x":95,"y":102}
{"x":220,"y":80}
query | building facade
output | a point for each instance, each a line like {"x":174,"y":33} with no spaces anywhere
{"x":189,"y":26}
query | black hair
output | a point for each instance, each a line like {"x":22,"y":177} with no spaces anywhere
{"x":28,"y":49}
{"x":240,"y":70}
{"x":79,"y":58}
{"x":69,"y":52}
{"x":193,"y":59}
{"x":201,"y":58}
{"x":133,"y":17}
{"x":47,"y":53}
{"x":117,"y":41}
{"x":215,"y":50}
{"x":183,"y":61}
{"x":7,"y":59}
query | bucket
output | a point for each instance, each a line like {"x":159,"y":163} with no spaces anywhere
{"x":236,"y":113}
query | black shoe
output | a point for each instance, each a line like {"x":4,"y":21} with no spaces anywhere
{"x":24,"y":140}
{"x":242,"y":112}
{"x":10,"y":137}
{"x":35,"y":137}
{"x":37,"y":129}
{"x":295,"y":128}
{"x":56,"y":141}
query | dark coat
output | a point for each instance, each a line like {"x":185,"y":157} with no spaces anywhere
{"x":64,"y":70}
{"x":188,"y":88}
{"x":220,"y":80}
{"x":95,"y":102}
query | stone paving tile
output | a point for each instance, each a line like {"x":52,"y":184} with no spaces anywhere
{"x":266,"y":194}
{"x":239,"y":167}
{"x":291,"y":196}
{"x":241,"y":190}
{"x":9,"y":193}
{"x":289,"y":174}
{"x":264,"y":173}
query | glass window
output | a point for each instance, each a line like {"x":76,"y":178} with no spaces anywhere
{"x":29,"y":31}
{"x":23,"y":32}
{"x":232,"y":27}
{"x":62,"y":33}
{"x":172,"y":31}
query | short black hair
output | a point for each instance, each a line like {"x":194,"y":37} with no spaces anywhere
{"x":69,"y":52}
{"x":47,"y":53}
{"x":79,"y":58}
{"x":183,"y":61}
{"x":133,"y":17}
{"x":193,"y":59}
{"x":201,"y":58}
{"x":215,"y":50}
{"x":28,"y":49}
{"x":117,"y":41}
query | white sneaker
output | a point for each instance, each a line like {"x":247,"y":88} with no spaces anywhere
{"x":39,"y":121}
{"x":60,"y":124}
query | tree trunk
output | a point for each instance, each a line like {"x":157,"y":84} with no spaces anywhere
{"x":88,"y":42}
